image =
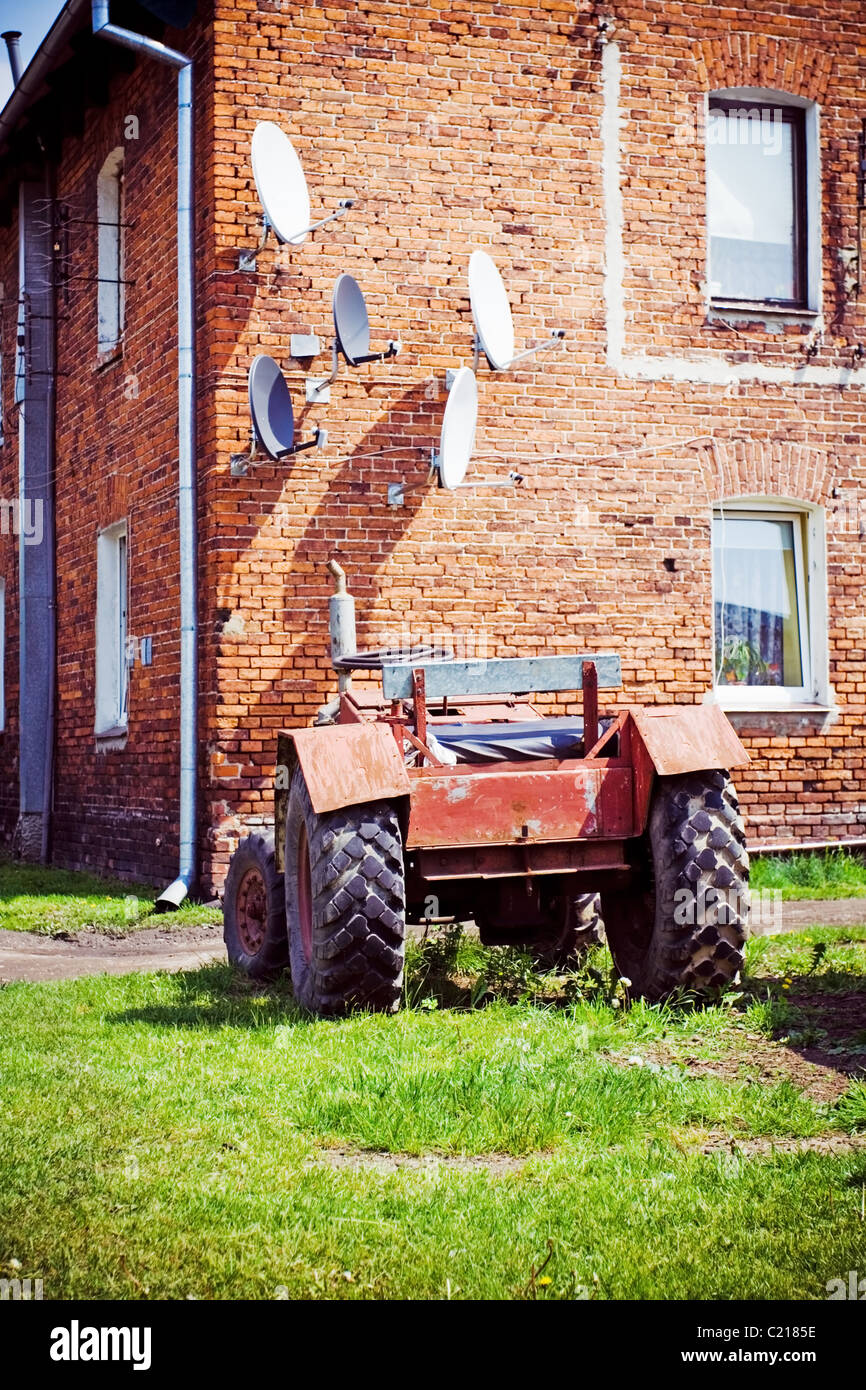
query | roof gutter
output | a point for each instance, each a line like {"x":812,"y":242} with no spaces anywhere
{"x":175,"y":893}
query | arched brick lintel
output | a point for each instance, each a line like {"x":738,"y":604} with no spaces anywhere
{"x":765,"y":468}
{"x":757,"y":60}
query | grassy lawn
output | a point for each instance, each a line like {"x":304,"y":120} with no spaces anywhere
{"x":834,"y":874}
{"x":60,"y":902}
{"x":195,"y":1136}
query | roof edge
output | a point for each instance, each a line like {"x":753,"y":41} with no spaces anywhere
{"x":58,"y":36}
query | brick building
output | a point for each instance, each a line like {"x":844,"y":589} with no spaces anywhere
{"x":674,"y":185}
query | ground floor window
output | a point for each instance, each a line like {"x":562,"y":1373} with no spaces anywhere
{"x":767,"y":628}
{"x":112,"y":667}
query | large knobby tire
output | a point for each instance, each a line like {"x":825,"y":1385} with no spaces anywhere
{"x":564,"y":947}
{"x":345,"y":904}
{"x":254,"y":909}
{"x":683,"y":925}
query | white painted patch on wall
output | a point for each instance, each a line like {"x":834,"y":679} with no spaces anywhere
{"x":642,"y":366}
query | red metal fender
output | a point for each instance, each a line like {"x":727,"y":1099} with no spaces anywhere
{"x":688,"y":738}
{"x":343,"y":765}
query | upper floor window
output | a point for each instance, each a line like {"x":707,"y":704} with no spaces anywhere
{"x":110,"y":213}
{"x":768,"y":605}
{"x":759,"y":201}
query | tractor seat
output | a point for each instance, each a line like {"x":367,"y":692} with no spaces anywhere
{"x":519,"y":742}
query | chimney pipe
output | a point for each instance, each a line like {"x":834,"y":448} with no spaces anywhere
{"x":11,"y":37}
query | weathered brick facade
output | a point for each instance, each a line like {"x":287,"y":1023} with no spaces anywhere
{"x":574,"y":153}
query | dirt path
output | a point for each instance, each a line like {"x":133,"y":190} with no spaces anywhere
{"x":27,"y":956}
{"x":829,"y":912}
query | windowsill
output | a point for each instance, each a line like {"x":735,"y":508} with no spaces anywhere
{"x":746,"y":310}
{"x":781,"y":719}
{"x":108,"y":358}
{"x":114,"y":737}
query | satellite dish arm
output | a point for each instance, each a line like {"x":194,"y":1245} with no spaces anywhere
{"x":314,"y":443}
{"x":342,"y":208}
{"x":392,"y":350}
{"x":554,"y":340}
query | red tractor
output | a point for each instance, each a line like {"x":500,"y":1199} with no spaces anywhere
{"x":446,"y":793}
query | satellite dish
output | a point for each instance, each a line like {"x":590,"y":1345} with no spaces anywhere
{"x":280,"y":183}
{"x":351,"y":336}
{"x":352,"y":324}
{"x":457,"y":439}
{"x":491,"y":315}
{"x":282,"y":191}
{"x":272,"y":413}
{"x":456,"y":442}
{"x":351,"y":320}
{"x":491,"y":311}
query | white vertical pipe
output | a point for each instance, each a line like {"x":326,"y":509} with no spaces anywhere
{"x":175,"y":893}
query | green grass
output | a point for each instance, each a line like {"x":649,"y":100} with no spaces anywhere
{"x":60,"y":902}
{"x":167,"y":1136}
{"x":832,"y":874}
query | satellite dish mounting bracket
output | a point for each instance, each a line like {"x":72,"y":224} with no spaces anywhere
{"x":319,"y":392}
{"x":247,"y":259}
{"x":397,"y":491}
{"x":242,"y":463}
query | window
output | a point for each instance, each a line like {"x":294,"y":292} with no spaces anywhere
{"x":759,"y":197}
{"x":110,"y":287}
{"x":112,"y":668}
{"x":770,"y":642}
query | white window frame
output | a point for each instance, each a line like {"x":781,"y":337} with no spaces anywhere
{"x":811,"y":571}
{"x":111,"y":254}
{"x":814,"y":249}
{"x":112,"y":607}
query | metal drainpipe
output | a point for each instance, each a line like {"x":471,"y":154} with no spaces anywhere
{"x":175,"y":893}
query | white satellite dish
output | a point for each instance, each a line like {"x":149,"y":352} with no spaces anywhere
{"x":491,"y":311}
{"x":457,"y":437}
{"x":272,"y":414}
{"x":280,"y":183}
{"x":456,"y":442}
{"x":282,"y":190}
{"x":491,"y":315}
{"x":351,"y":336}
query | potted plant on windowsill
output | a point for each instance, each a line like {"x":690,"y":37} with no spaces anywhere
{"x":742,"y":664}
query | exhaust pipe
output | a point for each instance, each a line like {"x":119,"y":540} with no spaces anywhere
{"x":341,"y":622}
{"x":11,"y":37}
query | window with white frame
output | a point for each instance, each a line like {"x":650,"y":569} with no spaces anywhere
{"x":769,"y":600}
{"x":112,"y":666}
{"x":763,"y":199}
{"x":110,"y":260}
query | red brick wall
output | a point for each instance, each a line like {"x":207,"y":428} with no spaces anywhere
{"x":115,"y":807}
{"x":480,"y":125}
{"x":471,"y":125}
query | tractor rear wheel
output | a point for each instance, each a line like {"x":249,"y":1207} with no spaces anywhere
{"x":345,"y":904}
{"x":683,"y":925}
{"x":254,"y":909}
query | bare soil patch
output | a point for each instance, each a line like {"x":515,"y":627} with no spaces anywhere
{"x":26,"y":956}
{"x":357,"y":1160}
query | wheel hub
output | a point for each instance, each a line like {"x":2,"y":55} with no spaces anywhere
{"x":252,"y":911}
